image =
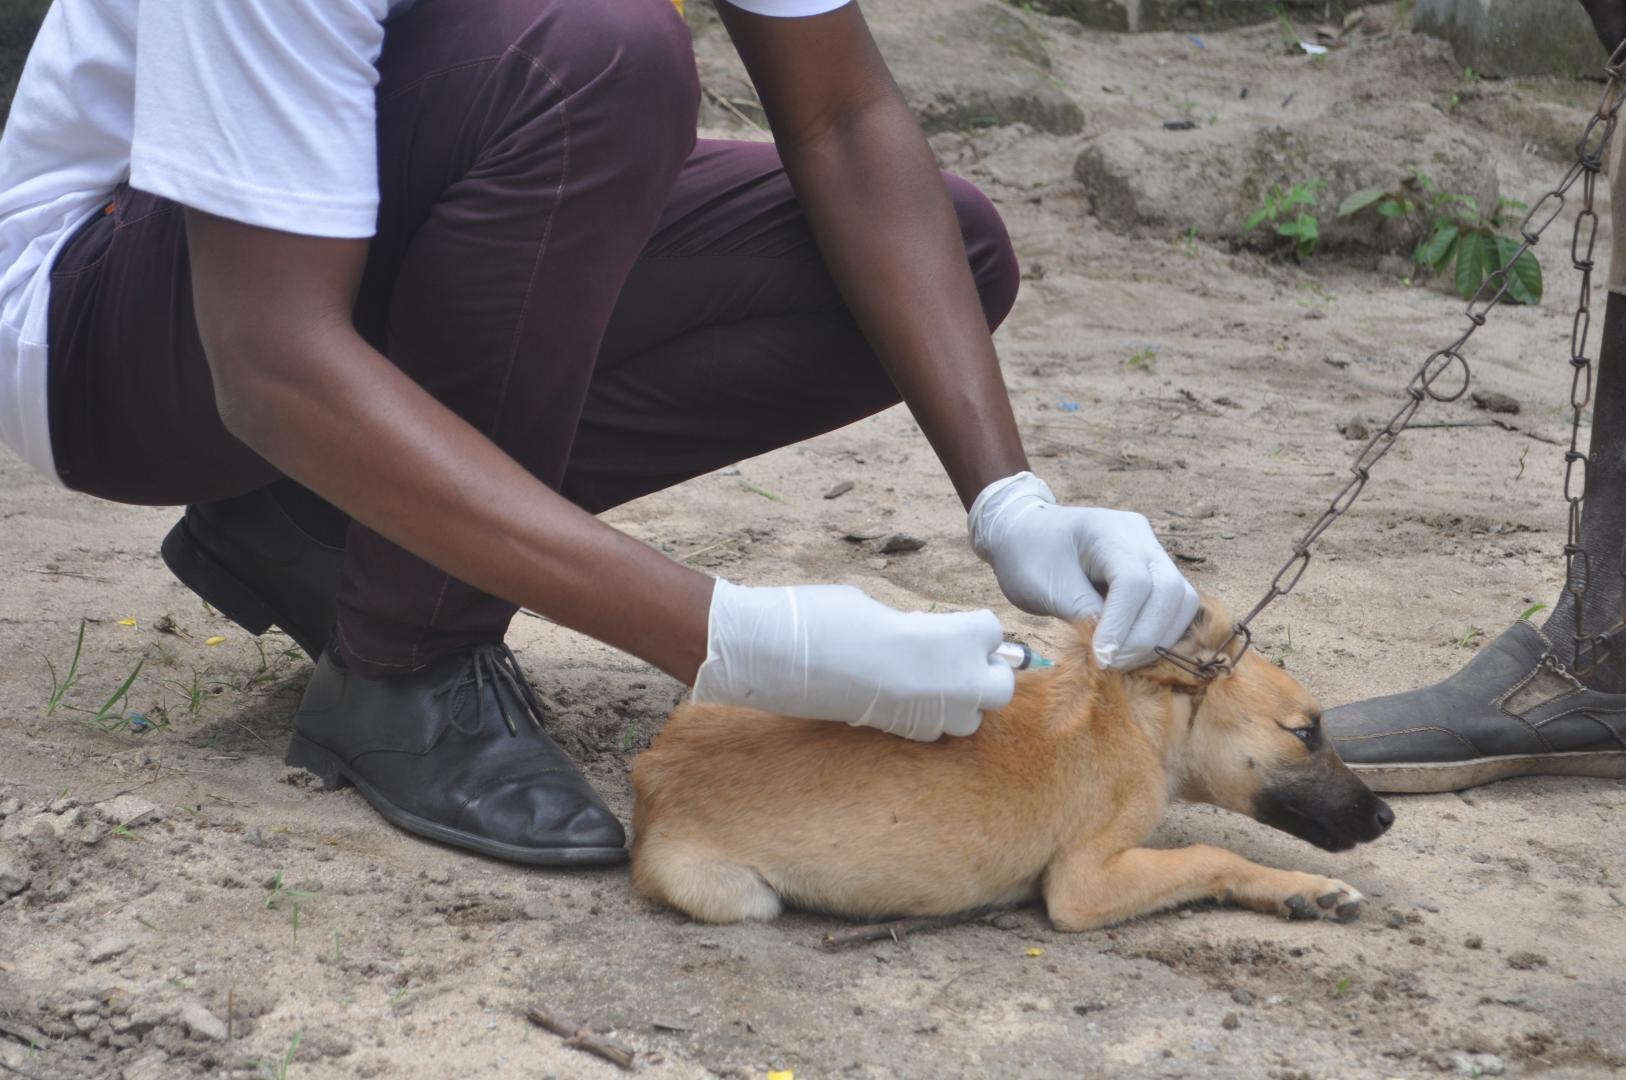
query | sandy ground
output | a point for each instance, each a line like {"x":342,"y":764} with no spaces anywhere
{"x":173,"y":947}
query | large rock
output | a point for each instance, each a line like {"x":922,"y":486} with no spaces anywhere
{"x":980,"y":67}
{"x":1138,"y":15}
{"x":1515,"y":37}
{"x":1213,"y":178}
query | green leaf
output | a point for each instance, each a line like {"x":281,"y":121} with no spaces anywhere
{"x":1259,"y":216}
{"x":1524,"y":273}
{"x":1360,"y":201}
{"x":1473,"y":255}
{"x":1392,"y":208}
{"x":1434,"y":249}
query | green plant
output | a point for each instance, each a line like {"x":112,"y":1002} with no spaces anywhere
{"x":1145,"y":360}
{"x":281,"y":1068}
{"x":1451,"y":228}
{"x":1285,"y":209}
{"x":1469,"y":636}
{"x":1531,"y":610}
{"x":1191,"y":242}
{"x":60,"y":687}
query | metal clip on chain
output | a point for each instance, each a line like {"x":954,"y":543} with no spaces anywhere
{"x":1590,"y":149}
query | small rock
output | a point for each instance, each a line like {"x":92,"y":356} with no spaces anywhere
{"x":1006,"y":921}
{"x":1087,"y":1007}
{"x":10,"y":807}
{"x":1186,"y":913}
{"x":878,"y":563}
{"x":254,"y":837}
{"x":1231,"y":1022}
{"x":1477,"y":1064}
{"x":1474,"y":941}
{"x":1491,"y":401}
{"x":1526,"y":960}
{"x":107,"y":948}
{"x":839,"y":490}
{"x":1394,"y":920}
{"x":85,"y":1023}
{"x":61,"y":804}
{"x":440,"y":876}
{"x":1354,"y":428}
{"x":537,"y":908}
{"x":13,"y":878}
{"x":202,"y":1023}
{"x":899,"y":543}
{"x":1242,"y":996}
{"x":857,"y":534}
{"x":129,"y":810}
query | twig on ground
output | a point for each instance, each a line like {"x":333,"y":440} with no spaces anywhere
{"x":897,"y":929}
{"x":730,"y":106}
{"x":18,"y":1072}
{"x":67,"y":573}
{"x":1491,"y":421}
{"x":703,"y":550}
{"x":581,"y":1038}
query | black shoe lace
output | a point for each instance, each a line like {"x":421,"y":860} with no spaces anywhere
{"x":495,"y":666}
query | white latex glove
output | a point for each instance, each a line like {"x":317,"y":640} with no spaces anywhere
{"x":1058,"y":560}
{"x":829,"y":652}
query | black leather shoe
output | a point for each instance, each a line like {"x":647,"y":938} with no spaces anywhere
{"x":456,"y":752}
{"x":255,"y":566}
{"x":1514,"y":710}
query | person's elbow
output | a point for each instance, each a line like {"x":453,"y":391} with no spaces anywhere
{"x":260,"y":374}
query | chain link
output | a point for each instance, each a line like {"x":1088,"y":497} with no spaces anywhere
{"x":1590,"y":149}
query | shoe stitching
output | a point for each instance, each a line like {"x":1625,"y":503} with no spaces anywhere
{"x":1409,"y":731}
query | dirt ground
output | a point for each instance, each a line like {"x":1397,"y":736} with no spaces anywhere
{"x":192,"y":908}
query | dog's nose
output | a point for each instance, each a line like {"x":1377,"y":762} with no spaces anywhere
{"x":1383,"y":816}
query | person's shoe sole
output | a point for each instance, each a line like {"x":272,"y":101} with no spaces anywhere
{"x":327,"y":767}
{"x":1427,"y":778}
{"x":228,"y":594}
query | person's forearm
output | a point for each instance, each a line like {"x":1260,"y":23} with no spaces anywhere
{"x":419,"y":475}
{"x":886,"y":228}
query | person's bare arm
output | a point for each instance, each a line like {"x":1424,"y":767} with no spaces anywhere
{"x":296,"y":383}
{"x":885,"y":226}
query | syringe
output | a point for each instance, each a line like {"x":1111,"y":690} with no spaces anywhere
{"x":1020,"y":657}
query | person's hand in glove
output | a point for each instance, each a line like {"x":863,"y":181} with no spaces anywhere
{"x":830,"y":652}
{"x":1059,"y":560}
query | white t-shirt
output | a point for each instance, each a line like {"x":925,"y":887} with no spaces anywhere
{"x":255,"y":110}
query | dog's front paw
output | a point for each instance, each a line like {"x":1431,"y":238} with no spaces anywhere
{"x":1321,"y":898}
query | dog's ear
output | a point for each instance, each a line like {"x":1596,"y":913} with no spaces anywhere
{"x":1211,"y":627}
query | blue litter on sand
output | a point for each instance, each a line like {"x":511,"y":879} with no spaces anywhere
{"x":139,"y":723}
{"x":1067,"y":406}
{"x":1195,"y":40}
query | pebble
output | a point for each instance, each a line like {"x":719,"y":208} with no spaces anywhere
{"x":839,"y":490}
{"x":129,"y":810}
{"x":1354,"y":428}
{"x":1491,"y":401}
{"x":537,"y":908}
{"x":1478,"y":1064}
{"x":859,"y":533}
{"x":107,"y":948}
{"x":440,"y":876}
{"x":10,"y":807}
{"x":13,"y":878}
{"x":1242,"y":996}
{"x":1231,"y":1022}
{"x":898,"y":543}
{"x":202,"y":1023}
{"x":1474,"y":941}
{"x":1526,"y":960}
{"x":85,"y":1023}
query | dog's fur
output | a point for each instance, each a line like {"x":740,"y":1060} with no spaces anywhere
{"x":738,"y":810}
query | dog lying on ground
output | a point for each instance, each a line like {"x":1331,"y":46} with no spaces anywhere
{"x":739,"y":812}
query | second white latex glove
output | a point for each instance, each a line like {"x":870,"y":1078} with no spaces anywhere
{"x":1058,"y":560}
{"x":830,"y":652}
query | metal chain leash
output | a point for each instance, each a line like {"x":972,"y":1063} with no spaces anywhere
{"x":1590,"y":149}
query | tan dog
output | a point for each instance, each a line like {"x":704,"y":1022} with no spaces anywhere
{"x":739,"y":811}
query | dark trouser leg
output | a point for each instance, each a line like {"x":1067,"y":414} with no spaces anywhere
{"x":730,"y":338}
{"x":1603,"y":513}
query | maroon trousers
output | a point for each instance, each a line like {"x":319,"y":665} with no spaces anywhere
{"x":557,"y":260}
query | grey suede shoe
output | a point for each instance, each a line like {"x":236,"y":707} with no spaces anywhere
{"x":1514,"y":710}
